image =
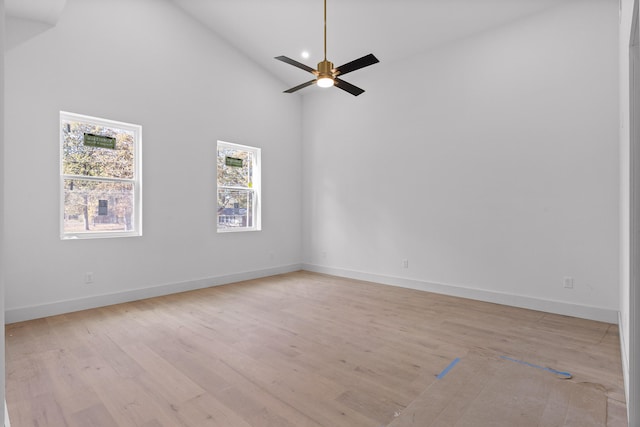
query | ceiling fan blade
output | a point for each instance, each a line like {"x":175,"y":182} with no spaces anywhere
{"x":348,"y":87}
{"x":356,"y":64}
{"x":296,"y":64}
{"x":302,"y":86}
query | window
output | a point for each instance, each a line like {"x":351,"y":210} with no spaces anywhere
{"x":100,"y":178}
{"x":238,"y":172}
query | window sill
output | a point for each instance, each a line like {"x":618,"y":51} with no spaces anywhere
{"x":237,"y":230}
{"x":102,"y":235}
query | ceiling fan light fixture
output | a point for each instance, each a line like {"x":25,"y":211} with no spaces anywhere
{"x":325,"y":81}
{"x":325,"y":74}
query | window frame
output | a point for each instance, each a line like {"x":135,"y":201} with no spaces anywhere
{"x":255,"y":189}
{"x":136,"y":180}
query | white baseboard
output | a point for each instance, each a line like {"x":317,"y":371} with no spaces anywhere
{"x":548,"y":306}
{"x":7,"y":423}
{"x":20,"y":314}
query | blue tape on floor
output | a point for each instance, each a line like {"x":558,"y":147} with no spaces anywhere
{"x":553,"y":371}
{"x":448,"y":368}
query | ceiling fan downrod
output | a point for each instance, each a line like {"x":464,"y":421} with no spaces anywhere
{"x":326,"y":72}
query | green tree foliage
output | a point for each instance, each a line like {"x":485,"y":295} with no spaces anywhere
{"x":234,"y":178}
{"x":82,"y":195}
{"x":235,"y":187}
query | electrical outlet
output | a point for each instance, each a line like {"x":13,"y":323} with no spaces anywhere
{"x":88,"y":277}
{"x":568,"y":282}
{"x":405,"y":263}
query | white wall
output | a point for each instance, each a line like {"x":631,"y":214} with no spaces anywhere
{"x":2,"y":215}
{"x":629,"y":327}
{"x":491,"y":164}
{"x":625,"y":31}
{"x":143,"y":62}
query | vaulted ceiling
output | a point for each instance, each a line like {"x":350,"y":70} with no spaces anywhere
{"x":392,"y":30}
{"x":43,"y":11}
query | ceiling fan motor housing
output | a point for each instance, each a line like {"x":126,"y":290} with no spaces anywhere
{"x":325,"y":69}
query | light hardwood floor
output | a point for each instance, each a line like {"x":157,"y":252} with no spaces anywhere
{"x":308,"y":350}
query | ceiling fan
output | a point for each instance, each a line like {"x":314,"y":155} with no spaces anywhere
{"x":326,"y":74}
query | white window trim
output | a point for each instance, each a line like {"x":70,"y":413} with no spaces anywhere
{"x":256,"y":187}
{"x":136,"y":180}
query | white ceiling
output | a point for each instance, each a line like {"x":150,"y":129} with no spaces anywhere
{"x":390,"y":29}
{"x":44,"y":11}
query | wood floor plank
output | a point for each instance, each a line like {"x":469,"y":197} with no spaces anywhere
{"x":72,"y":392}
{"x":205,"y":410}
{"x":42,"y":410}
{"x":588,"y":406}
{"x":227,"y":385}
{"x":94,"y":416}
{"x":494,"y":392}
{"x":311,"y":350}
{"x":162,"y":376}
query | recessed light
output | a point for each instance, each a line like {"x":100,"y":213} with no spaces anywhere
{"x":305,"y":54}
